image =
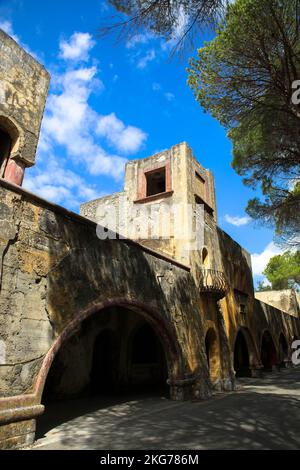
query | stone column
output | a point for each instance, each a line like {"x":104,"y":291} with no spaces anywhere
{"x":14,"y":171}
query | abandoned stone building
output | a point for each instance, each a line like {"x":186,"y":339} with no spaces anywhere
{"x":81,"y":314}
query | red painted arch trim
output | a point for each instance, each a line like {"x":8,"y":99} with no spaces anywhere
{"x":164,"y":330}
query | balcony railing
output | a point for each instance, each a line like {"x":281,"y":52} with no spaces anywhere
{"x":213,"y":282}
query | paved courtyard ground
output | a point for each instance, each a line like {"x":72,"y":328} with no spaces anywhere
{"x":262,"y":414}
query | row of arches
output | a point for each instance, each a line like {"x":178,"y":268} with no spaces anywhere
{"x":245,"y":355}
{"x":120,"y":351}
{"x":110,"y":363}
{"x":268,"y":356}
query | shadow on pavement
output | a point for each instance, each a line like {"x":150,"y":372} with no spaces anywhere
{"x":248,"y":419}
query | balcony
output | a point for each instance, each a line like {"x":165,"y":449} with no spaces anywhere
{"x":213,"y":283}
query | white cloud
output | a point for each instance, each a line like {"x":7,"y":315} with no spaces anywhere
{"x":179,"y":28}
{"x":58,"y":184}
{"x":237,"y":221}
{"x":125,"y":138}
{"x":149,"y":57}
{"x":70,"y":121}
{"x":68,"y":134}
{"x":77,"y":47}
{"x":7,"y":27}
{"x":180,"y":24}
{"x":139,"y":39}
{"x":169,"y":96}
{"x":260,"y":260}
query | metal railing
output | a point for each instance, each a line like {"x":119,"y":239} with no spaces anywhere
{"x":213,"y":282}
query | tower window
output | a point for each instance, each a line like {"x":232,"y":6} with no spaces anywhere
{"x":156,"y":182}
{"x":5,"y":147}
{"x":243,"y":309}
{"x":207,"y":208}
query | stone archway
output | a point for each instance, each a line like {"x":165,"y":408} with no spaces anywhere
{"x":268,"y":351}
{"x":87,"y":356}
{"x":212,"y":349}
{"x":241,"y":356}
{"x":246,"y":357}
{"x":165,"y":332}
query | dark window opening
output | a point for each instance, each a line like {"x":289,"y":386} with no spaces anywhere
{"x":199,"y":177}
{"x":5,"y":146}
{"x":243,"y":309}
{"x":207,"y":208}
{"x":241,"y":300}
{"x":156,"y":182}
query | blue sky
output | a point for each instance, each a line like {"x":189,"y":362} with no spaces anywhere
{"x":110,"y":102}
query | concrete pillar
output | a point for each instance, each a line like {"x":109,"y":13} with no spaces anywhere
{"x":14,"y":172}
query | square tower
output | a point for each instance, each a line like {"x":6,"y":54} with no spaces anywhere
{"x":23,"y":90}
{"x":164,"y":194}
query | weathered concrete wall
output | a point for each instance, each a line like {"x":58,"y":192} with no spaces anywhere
{"x":55,"y":271}
{"x":276,"y":322}
{"x":23,"y":91}
{"x":285,"y":300}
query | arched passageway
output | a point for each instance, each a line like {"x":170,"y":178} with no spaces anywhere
{"x":104,"y":362}
{"x":268,"y":352}
{"x":241,"y":356}
{"x":147,"y":365}
{"x":283,"y":351}
{"x":113,"y":355}
{"x":212,"y":354}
